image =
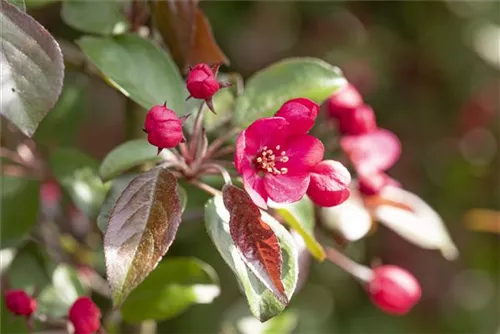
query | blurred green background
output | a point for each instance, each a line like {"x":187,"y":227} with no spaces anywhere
{"x":431,"y":72}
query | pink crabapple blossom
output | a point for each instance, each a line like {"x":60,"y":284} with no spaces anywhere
{"x":393,"y":289}
{"x":346,"y":100}
{"x":278,"y":160}
{"x":359,"y":121}
{"x":372,"y":152}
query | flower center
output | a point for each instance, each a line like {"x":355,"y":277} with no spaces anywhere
{"x":267,"y":159}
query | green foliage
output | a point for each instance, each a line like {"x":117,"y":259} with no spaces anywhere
{"x":127,"y":155}
{"x":28,"y":270}
{"x":170,"y":289}
{"x":19,"y":4}
{"x":97,"y":17}
{"x":60,"y":126}
{"x":300,"y":216}
{"x":267,"y":90}
{"x":77,"y":173}
{"x":138,"y":68}
{"x":263,"y":304}
{"x":56,"y":299}
{"x":30,"y":88}
{"x":17,"y":216}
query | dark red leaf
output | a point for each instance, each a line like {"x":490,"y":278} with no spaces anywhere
{"x":255,"y":240}
{"x":187,"y":33}
{"x":176,"y":21}
{"x":204,"y":48}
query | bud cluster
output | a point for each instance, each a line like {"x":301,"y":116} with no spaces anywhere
{"x":371,"y":150}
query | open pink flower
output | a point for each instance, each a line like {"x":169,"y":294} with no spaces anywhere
{"x":372,"y":152}
{"x":276,"y":157}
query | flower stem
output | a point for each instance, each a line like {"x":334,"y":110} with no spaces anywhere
{"x":222,"y":170}
{"x":216,"y":144}
{"x":206,"y":187}
{"x":197,"y":133}
{"x":357,"y":270}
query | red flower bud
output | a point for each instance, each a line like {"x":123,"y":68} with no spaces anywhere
{"x":300,"y":113}
{"x":201,"y":82}
{"x":20,"y":303}
{"x":163,"y":127}
{"x":85,"y":316}
{"x":344,"y":101}
{"x":394,"y":290}
{"x":359,"y":121}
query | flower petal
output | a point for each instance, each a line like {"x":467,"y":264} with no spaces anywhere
{"x":329,"y":184}
{"x":254,"y":186}
{"x":239,"y":155}
{"x":300,"y":113}
{"x":270,"y":131}
{"x":286,"y":188}
{"x":372,"y":152}
{"x":421,"y":226}
{"x":351,"y":219}
{"x":303,"y":152}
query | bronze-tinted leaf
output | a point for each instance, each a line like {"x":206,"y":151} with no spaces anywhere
{"x":176,"y":20}
{"x":255,"y":240}
{"x":187,"y":33}
{"x":204,"y":48}
{"x":141,"y":228}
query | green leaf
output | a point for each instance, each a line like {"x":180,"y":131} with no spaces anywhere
{"x":28,"y":270}
{"x":77,"y":173}
{"x":32,"y":69}
{"x":56,"y":299}
{"x":117,"y":186}
{"x":97,"y":17}
{"x":61,"y":124}
{"x":263,"y":304}
{"x":267,"y":90}
{"x":300,"y":216}
{"x":17,"y":216}
{"x":130,"y":154}
{"x":170,"y":289}
{"x":142,"y":226}
{"x":19,"y":4}
{"x":138,"y":68}
{"x":9,"y":323}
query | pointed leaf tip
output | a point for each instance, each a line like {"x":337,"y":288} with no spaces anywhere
{"x":255,"y":240}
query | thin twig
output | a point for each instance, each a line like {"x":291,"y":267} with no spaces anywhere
{"x":198,"y":123}
{"x":222,"y":171}
{"x":15,"y":170}
{"x":206,"y":187}
{"x":223,"y":151}
{"x":216,"y":144}
{"x":357,"y":270}
{"x":11,"y":155}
